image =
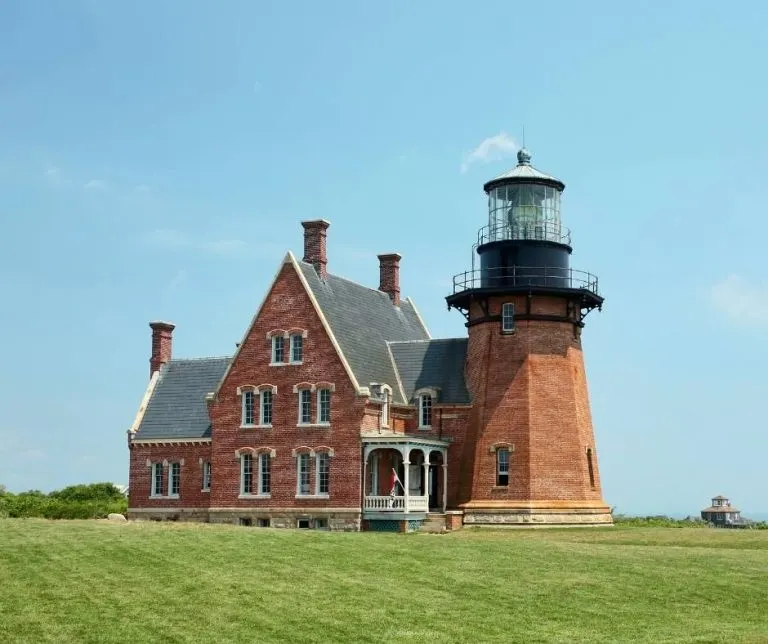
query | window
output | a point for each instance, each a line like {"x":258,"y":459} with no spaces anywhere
{"x":249,"y":417}
{"x":591,"y":468}
{"x":278,"y":349}
{"x":246,"y":474}
{"x":246,"y":521}
{"x":324,"y":406}
{"x":206,"y":475}
{"x":305,"y":406}
{"x":297,"y":348}
{"x":305,"y":524}
{"x":425,"y":411}
{"x":502,"y":467}
{"x":265,"y":407}
{"x":323,"y":473}
{"x":157,"y":479}
{"x":174,"y":479}
{"x":507,"y":317}
{"x":264,"y":473}
{"x":321,"y":524}
{"x":303,"y":475}
{"x":384,"y":408}
{"x":262,"y":522}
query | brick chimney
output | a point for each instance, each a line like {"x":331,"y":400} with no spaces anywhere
{"x":162,"y":344}
{"x":315,"y":252}
{"x":389,"y":276}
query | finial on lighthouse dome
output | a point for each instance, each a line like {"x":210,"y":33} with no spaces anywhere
{"x":523,"y":156}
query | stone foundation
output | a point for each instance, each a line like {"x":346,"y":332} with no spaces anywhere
{"x":536,"y":514}
{"x":344,"y":521}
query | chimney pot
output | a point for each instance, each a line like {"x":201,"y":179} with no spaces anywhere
{"x":315,"y":250}
{"x":162,"y":345}
{"x":389,"y":276}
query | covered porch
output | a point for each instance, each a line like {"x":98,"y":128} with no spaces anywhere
{"x":404,"y":475}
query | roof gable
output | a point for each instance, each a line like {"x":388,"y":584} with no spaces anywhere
{"x":177,"y":407}
{"x":433,"y":363}
{"x":362,"y":320}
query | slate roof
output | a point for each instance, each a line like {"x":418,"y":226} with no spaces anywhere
{"x":177,"y":408}
{"x":433,"y":363}
{"x":363,"y":320}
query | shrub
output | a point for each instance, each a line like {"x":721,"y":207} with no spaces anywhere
{"x":94,"y":501}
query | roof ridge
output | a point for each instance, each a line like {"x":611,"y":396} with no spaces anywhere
{"x":350,"y":281}
{"x":426,"y":340}
{"x":200,"y":358}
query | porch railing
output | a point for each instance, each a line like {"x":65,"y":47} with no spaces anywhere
{"x":396,"y":504}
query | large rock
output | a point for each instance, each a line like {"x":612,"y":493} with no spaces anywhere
{"x":116,"y":517}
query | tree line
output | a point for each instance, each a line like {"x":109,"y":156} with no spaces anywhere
{"x":91,"y":501}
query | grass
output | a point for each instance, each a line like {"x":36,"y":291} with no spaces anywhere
{"x":96,"y":581}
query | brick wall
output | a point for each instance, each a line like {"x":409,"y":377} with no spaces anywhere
{"x":139,"y":477}
{"x":287,"y":307}
{"x":529,"y":390}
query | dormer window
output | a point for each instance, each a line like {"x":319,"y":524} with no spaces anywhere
{"x":382,"y":394}
{"x":507,"y":317}
{"x":425,"y":401}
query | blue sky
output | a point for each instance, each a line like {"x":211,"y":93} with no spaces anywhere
{"x":156,"y":159}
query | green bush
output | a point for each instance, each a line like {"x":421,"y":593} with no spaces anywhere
{"x":658,"y":521}
{"x":94,"y":501}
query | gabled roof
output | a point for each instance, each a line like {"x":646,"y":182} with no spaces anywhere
{"x":433,"y":363}
{"x":362,"y":321}
{"x":177,"y":407}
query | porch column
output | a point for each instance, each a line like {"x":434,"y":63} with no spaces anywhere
{"x":365,"y":478}
{"x":426,"y":480}
{"x":445,"y":484}
{"x":406,"y":468}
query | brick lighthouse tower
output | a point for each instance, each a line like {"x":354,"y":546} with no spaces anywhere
{"x":529,"y":456}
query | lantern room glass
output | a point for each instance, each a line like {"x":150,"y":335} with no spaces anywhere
{"x":524,"y":211}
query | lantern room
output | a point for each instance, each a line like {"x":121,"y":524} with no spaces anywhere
{"x":524,"y":203}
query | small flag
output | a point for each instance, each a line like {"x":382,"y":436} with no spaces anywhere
{"x":395,"y":482}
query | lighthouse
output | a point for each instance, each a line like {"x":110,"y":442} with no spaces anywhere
{"x":529,"y":456}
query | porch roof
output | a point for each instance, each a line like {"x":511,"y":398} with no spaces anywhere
{"x":402,"y":439}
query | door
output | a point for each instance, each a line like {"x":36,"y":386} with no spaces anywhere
{"x":433,"y":498}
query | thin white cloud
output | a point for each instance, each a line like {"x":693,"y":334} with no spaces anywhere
{"x":169,"y":238}
{"x":743,"y":303}
{"x":494,"y":148}
{"x":33,"y":454}
{"x":54,"y":176}
{"x":95,"y":184}
{"x":181,"y":276}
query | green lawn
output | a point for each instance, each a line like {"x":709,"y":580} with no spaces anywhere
{"x":96,"y":581}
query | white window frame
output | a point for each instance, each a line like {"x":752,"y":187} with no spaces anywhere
{"x":499,"y":472}
{"x":156,"y":490}
{"x":304,"y":391}
{"x":262,"y":407}
{"x":385,"y":393}
{"x":175,"y":465}
{"x":423,"y":396}
{"x":243,"y":458}
{"x":304,"y":456}
{"x":508,"y":317}
{"x":264,"y":458}
{"x":206,"y":476}
{"x":274,"y":344}
{"x":246,"y":394}
{"x":318,"y":457}
{"x":320,"y":391}
{"x":292,"y":347}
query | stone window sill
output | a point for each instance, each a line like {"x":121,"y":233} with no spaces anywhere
{"x":310,"y":425}
{"x":254,"y":496}
{"x":296,"y":363}
{"x":278,"y":364}
{"x":313,"y":496}
{"x":206,"y":490}
{"x":255,"y":426}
